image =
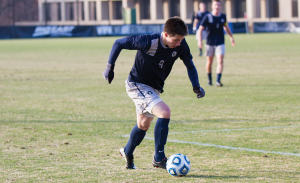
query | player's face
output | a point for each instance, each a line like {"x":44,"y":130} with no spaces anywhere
{"x":216,"y":6}
{"x":173,"y":41}
{"x":202,"y":7}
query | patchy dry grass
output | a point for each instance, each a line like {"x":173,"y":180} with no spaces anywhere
{"x":61,"y":122}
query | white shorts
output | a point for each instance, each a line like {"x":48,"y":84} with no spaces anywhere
{"x":203,"y":34}
{"x":143,"y":96}
{"x":210,"y":51}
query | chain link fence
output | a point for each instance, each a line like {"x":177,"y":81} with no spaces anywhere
{"x":12,"y":11}
{"x":44,"y":12}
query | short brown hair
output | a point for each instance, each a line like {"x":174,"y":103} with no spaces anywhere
{"x":216,"y":1}
{"x":175,"y":25}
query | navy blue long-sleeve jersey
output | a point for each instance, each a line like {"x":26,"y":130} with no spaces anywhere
{"x":153,"y":60}
{"x":214,"y":28}
{"x":199,"y":16}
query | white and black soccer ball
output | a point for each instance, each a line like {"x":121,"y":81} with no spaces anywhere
{"x":178,"y":165}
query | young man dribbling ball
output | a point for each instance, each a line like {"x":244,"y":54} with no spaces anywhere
{"x":214,"y":23}
{"x":156,"y":54}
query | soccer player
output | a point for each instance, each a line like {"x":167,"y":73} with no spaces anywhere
{"x":156,"y":54}
{"x":214,"y":23}
{"x":198,"y":19}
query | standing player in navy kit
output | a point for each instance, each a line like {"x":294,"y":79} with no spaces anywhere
{"x":214,"y":23}
{"x":156,"y":54}
{"x":197,"y":21}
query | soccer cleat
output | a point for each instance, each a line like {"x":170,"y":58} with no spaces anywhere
{"x":129,"y":161}
{"x":209,"y":83}
{"x":219,"y":84}
{"x":162,"y":164}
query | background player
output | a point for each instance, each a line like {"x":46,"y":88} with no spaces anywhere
{"x":197,"y":21}
{"x":153,"y":62}
{"x":214,"y":23}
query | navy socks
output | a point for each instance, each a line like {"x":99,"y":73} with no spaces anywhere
{"x":161,"y":130}
{"x":209,"y":77}
{"x":219,"y":77}
{"x":136,"y":137}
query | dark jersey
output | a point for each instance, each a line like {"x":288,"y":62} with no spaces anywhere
{"x":214,"y":28}
{"x":199,"y":16}
{"x":153,"y":60}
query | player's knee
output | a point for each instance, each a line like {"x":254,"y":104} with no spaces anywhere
{"x":143,"y":126}
{"x":166,"y":113}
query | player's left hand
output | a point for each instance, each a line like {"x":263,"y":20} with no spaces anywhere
{"x":108,"y":73}
{"x":199,"y":91}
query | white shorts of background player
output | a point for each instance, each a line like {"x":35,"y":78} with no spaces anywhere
{"x":211,"y":51}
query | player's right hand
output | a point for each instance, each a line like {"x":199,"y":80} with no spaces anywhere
{"x":199,"y":91}
{"x":108,"y":73}
{"x":200,"y":44}
{"x":232,"y":42}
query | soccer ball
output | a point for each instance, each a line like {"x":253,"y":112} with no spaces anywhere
{"x":178,"y":165}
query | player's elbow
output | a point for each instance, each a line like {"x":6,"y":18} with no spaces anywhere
{"x":120,"y":43}
{"x":117,"y":42}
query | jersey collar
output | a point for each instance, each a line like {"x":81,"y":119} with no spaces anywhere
{"x":161,"y":41}
{"x":217,"y":15}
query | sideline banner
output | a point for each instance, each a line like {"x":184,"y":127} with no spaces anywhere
{"x":293,"y":27}
{"x":23,"y":32}
{"x":121,"y":30}
{"x":239,"y":27}
{"x":46,"y":31}
{"x":63,"y":31}
{"x":271,"y":27}
{"x":7,"y":32}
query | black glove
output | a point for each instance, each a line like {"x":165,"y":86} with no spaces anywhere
{"x":111,"y":74}
{"x":199,"y":91}
{"x":108,"y":73}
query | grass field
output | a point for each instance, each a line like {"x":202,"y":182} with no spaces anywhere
{"x":61,"y":122}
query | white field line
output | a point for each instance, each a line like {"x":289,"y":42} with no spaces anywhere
{"x":239,"y":129}
{"x":228,"y":147}
{"x":224,"y":147}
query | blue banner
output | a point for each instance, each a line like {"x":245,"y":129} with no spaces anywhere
{"x":239,"y":27}
{"x":120,"y":30}
{"x":271,"y":27}
{"x":63,"y":31}
{"x":7,"y":32}
{"x":46,"y":31}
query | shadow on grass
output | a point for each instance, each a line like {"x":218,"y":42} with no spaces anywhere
{"x":259,"y":85}
{"x":218,"y":177}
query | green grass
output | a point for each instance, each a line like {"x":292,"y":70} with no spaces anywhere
{"x":52,"y":87}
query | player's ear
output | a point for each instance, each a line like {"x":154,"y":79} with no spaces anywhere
{"x":166,"y":34}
